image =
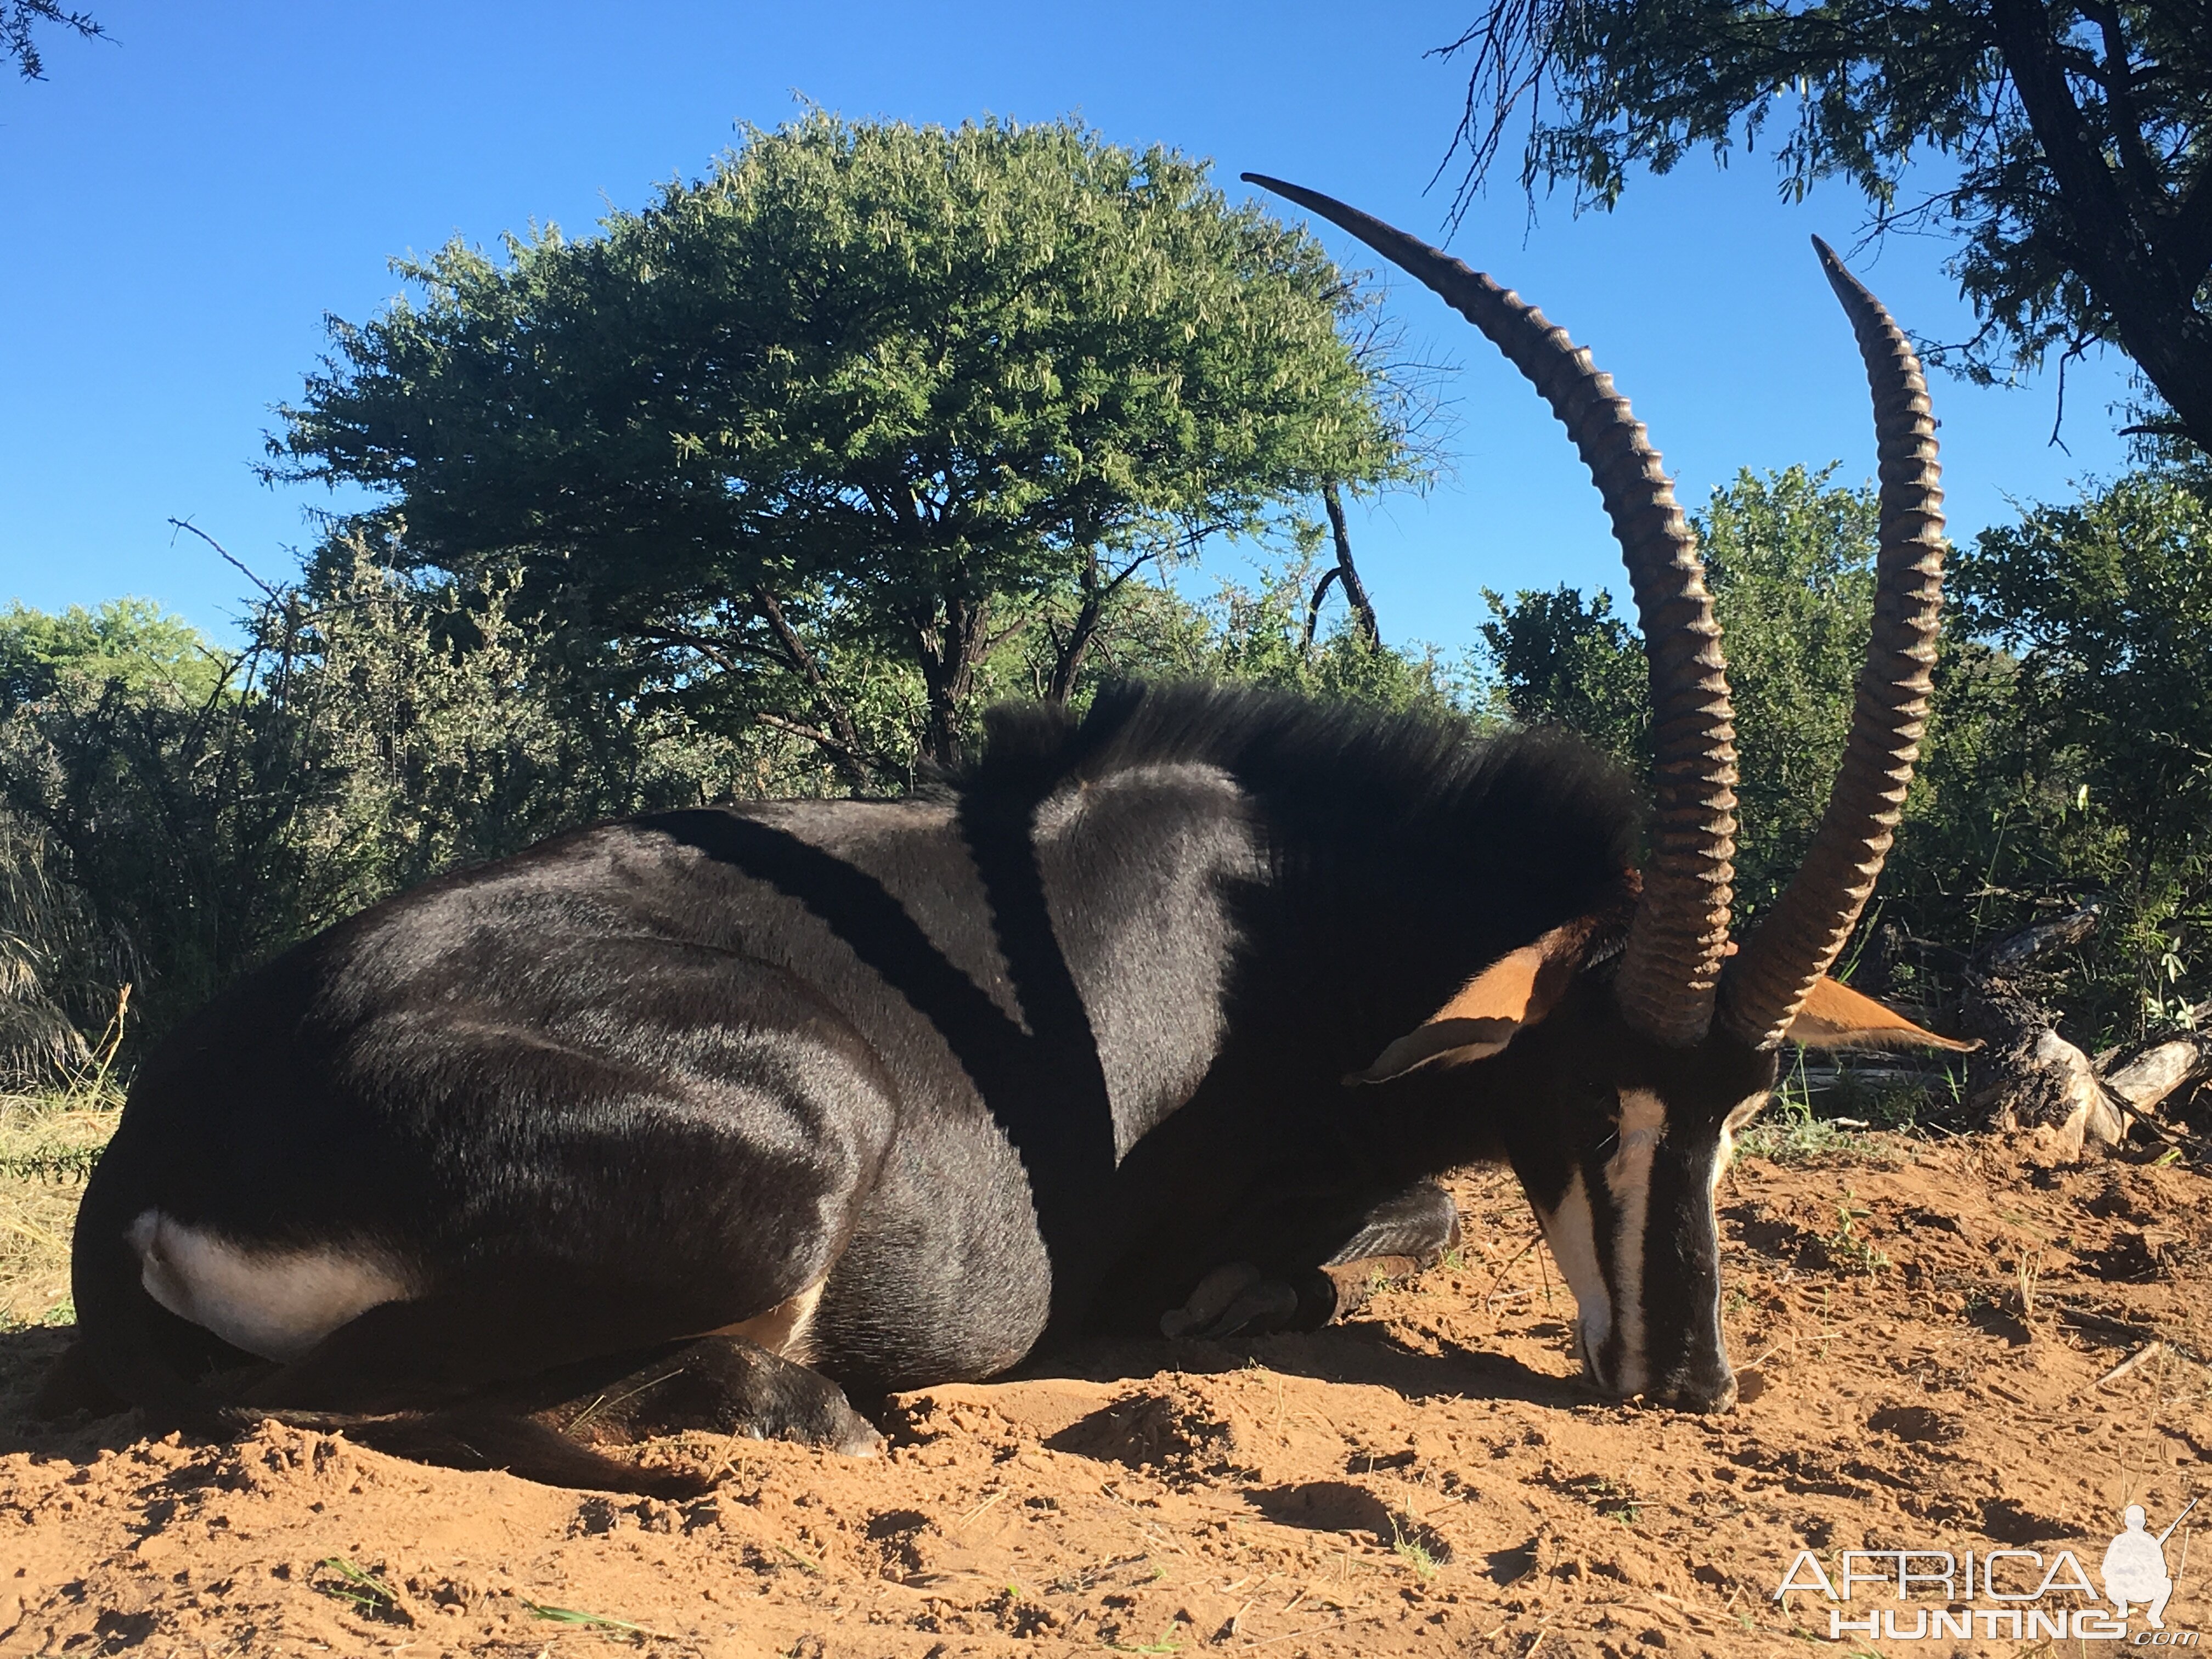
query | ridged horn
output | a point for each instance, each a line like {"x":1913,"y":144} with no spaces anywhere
{"x":1670,"y":968}
{"x":1799,"y":940}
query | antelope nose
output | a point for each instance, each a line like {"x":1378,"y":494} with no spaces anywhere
{"x":1711,"y":1392}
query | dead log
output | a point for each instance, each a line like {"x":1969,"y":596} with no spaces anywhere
{"x":2027,"y":1077}
{"x":2017,"y":951}
{"x":2150,"y":1077}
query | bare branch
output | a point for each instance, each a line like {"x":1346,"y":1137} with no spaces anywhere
{"x":228,"y":558}
{"x":1312,"y":606}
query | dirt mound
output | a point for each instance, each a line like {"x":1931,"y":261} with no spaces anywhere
{"x":1924,"y":1335}
{"x":1174,"y":1430}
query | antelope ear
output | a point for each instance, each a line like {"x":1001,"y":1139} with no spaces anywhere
{"x":1837,"y":1017}
{"x":1493,"y":1007}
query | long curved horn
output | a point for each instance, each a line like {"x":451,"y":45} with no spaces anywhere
{"x":1799,"y":938}
{"x":1671,"y":970}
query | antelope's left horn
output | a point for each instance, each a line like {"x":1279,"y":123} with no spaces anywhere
{"x":1799,"y":940}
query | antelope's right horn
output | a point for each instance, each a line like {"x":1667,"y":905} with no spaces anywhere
{"x":1670,"y":969}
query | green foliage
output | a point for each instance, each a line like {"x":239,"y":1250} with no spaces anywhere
{"x":373,"y":733}
{"x":59,"y":968}
{"x":50,"y":943}
{"x":2108,"y":604}
{"x":865,"y":388}
{"x":2069,"y":748}
{"x":132,"y":642}
{"x":1558,"y":660}
{"x":2095,"y":778}
{"x":1257,"y":634}
{"x":1789,"y":558}
{"x":2071,"y":145}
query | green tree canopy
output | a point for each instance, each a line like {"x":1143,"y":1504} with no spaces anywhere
{"x":1558,"y":658}
{"x":2108,"y":603}
{"x":902,"y":389}
{"x":2073,"y":142}
{"x":1790,"y":556}
{"x":131,"y":641}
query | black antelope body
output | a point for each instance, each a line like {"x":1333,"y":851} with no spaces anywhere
{"x":1165,"y":1014}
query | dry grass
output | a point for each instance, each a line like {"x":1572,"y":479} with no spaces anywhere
{"x":48,"y":1144}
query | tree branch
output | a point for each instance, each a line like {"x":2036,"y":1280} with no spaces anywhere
{"x":2186,"y":240}
{"x":1312,"y":606}
{"x":2138,"y":172}
{"x":848,"y":744}
{"x":2152,"y":311}
{"x":237,"y":564}
{"x":1354,"y":590}
{"x":847,"y":761}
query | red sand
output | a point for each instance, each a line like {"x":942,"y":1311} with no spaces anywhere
{"x":1427,"y":1479}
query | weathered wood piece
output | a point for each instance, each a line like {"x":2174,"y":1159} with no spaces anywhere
{"x":2026,"y":1076}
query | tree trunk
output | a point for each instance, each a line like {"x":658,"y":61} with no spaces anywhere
{"x":1355,"y":591}
{"x":2147,"y":1075}
{"x":946,"y":645}
{"x":2026,"y":1075}
{"x":1068,"y":658}
{"x":2146,"y":277}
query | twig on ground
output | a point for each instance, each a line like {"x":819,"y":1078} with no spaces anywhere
{"x":2149,"y":1351}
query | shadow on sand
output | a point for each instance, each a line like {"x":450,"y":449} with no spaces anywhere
{"x":1358,"y":1352}
{"x":26,"y":1354}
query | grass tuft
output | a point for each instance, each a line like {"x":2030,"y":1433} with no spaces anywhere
{"x":370,"y":1595}
{"x":1413,"y":1550}
{"x":572,"y":1616}
{"x":48,"y":1146}
{"x":1163,"y":1645}
{"x":49,"y":1143}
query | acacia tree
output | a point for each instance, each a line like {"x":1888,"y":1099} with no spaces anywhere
{"x":2076,"y":141}
{"x":866,"y":388}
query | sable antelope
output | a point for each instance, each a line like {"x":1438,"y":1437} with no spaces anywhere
{"x":1170,"y":1010}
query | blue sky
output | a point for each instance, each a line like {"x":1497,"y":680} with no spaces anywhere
{"x":184,"y":206}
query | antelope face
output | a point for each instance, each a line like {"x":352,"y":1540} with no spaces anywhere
{"x":1622,"y":1169}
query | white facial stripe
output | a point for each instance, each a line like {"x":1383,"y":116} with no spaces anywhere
{"x":276,"y":1303}
{"x":1571,"y":1233}
{"x":1628,"y":1178}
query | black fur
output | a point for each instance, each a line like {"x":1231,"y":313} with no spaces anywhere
{"x":1028,"y":1052}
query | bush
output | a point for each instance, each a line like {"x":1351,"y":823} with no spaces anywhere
{"x":2068,"y":754}
{"x":171,"y":834}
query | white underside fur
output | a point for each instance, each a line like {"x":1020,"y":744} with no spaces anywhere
{"x":276,"y":1303}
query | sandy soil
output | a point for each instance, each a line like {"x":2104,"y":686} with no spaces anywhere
{"x":1922,"y":1337}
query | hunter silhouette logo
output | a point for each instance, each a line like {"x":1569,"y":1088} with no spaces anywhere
{"x":1996,"y":1593}
{"x":2135,"y":1565}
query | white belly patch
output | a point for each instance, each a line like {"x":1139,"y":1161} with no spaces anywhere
{"x":276,"y":1303}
